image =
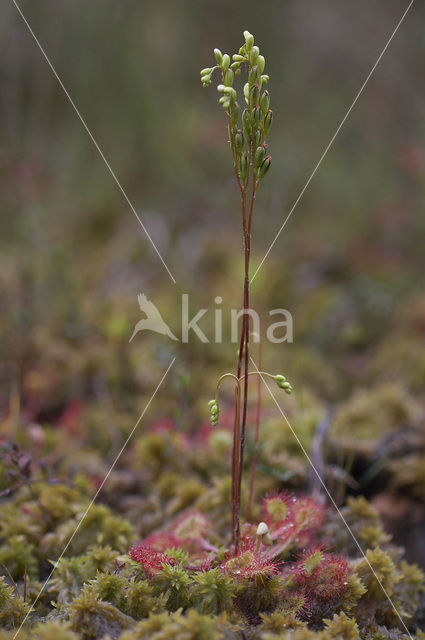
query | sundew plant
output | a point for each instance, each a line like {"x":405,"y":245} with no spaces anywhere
{"x":248,"y":132}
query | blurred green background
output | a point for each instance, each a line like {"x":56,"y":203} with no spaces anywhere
{"x":348,"y":265}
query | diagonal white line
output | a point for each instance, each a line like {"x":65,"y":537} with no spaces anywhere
{"x":95,"y":497}
{"x":333,"y":139}
{"x":111,"y":171}
{"x":330,"y":496}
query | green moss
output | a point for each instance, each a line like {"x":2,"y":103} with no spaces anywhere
{"x":212,"y":592}
{"x":193,"y":626}
{"x":362,"y":421}
{"x":17,"y":557}
{"x":93,"y":618}
{"x":99,"y":527}
{"x":173,"y":583}
{"x":53,"y":630}
{"x":12,"y":608}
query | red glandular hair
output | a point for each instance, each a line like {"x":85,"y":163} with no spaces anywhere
{"x":150,"y":559}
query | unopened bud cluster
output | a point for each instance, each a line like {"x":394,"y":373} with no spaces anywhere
{"x":247,"y":131}
{"x":282,"y":382}
{"x":214,"y":412}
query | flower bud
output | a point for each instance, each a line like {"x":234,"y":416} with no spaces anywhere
{"x":264,"y":80}
{"x":256,"y":116}
{"x":235,"y":113}
{"x":254,"y":95}
{"x":239,"y":141}
{"x":265,"y":102}
{"x":218,"y":56}
{"x":235,"y":66}
{"x":243,"y":165}
{"x":249,"y":40}
{"x":265,"y":166}
{"x":246,"y":122}
{"x":253,"y":56}
{"x":261,"y":63}
{"x":229,"y":91}
{"x":262,"y":529}
{"x":238,"y":58}
{"x":260,"y":154}
{"x":225,"y":101}
{"x":258,"y":138}
{"x":206,"y":76}
{"x":253,"y":74}
{"x":282,"y":382}
{"x":268,"y":121}
{"x":229,"y":77}
{"x":214,"y":411}
{"x":226,"y":62}
{"x":246,"y":92}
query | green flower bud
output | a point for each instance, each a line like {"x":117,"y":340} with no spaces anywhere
{"x":261,"y":63}
{"x":246,"y":122}
{"x":243,"y":165}
{"x":206,"y":76}
{"x":265,"y":166}
{"x":229,"y":77}
{"x":254,"y":95}
{"x":238,"y":58}
{"x":239,"y":140}
{"x":226,"y":62}
{"x":242,"y":51}
{"x":268,"y":121}
{"x":227,"y":90}
{"x":253,"y":56}
{"x":235,"y":113}
{"x":264,"y":80}
{"x":235,"y":66}
{"x":256,"y":117}
{"x":246,"y":92}
{"x":225,"y":101}
{"x":260,"y":154}
{"x":249,"y":40}
{"x":282,"y":382}
{"x":258,"y":138}
{"x":218,"y":56}
{"x":265,"y":102}
{"x":252,"y":78}
{"x":214,"y":412}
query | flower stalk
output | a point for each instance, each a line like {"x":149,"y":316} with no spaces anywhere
{"x":247,"y":137}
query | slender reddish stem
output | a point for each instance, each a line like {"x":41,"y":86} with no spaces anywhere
{"x":256,"y":437}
